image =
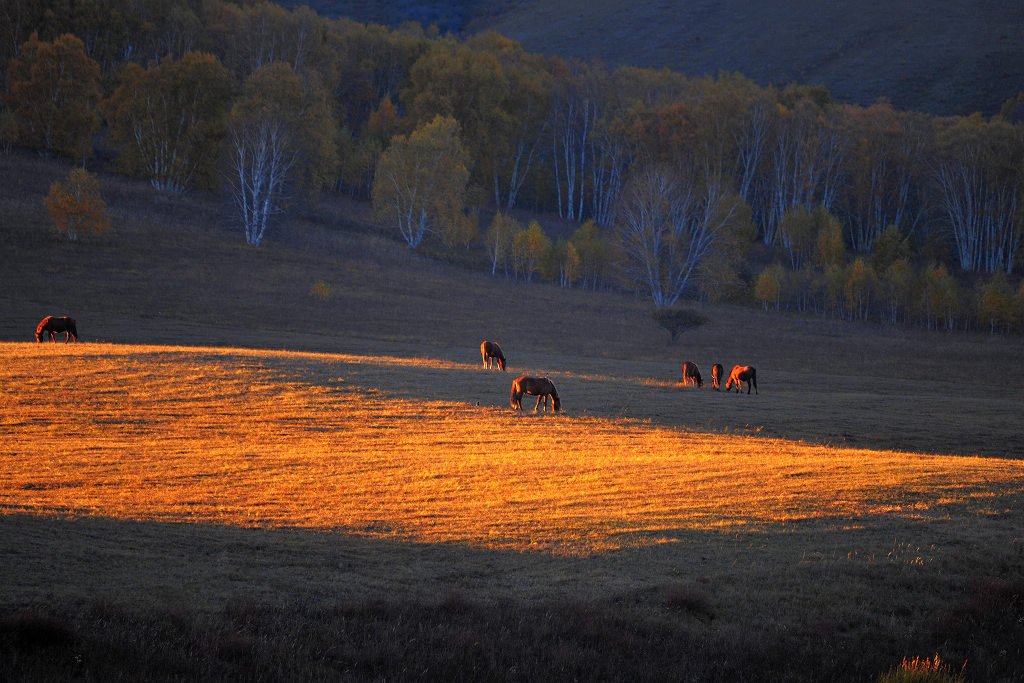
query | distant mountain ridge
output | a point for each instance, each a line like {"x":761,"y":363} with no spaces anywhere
{"x":937,"y":56}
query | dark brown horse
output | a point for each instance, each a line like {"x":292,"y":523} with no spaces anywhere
{"x":491,"y":352}
{"x":53,"y":324}
{"x":740,"y":374}
{"x":691,"y":375}
{"x":716,"y":375}
{"x":541,"y":387}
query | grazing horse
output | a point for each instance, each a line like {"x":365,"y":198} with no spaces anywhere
{"x":691,"y":375}
{"x":491,"y":352}
{"x":740,"y":374}
{"x":541,"y":387}
{"x":52,"y":324}
{"x":716,"y":375}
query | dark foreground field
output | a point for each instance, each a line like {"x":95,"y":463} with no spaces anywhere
{"x":913,"y":567}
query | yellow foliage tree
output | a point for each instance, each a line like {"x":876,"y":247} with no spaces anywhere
{"x":530,"y":247}
{"x":76,"y":207}
{"x":768,"y":288}
{"x":421,"y":180}
{"x":859,"y":287}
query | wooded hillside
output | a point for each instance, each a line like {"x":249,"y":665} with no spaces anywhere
{"x":668,"y":185}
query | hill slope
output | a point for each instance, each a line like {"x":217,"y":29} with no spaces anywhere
{"x":941,"y":57}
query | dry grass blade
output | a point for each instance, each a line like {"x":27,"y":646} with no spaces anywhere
{"x":281,"y":439}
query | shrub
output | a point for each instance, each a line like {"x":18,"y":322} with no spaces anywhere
{"x":320,"y":290}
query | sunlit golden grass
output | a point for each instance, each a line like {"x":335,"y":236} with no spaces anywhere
{"x":279,"y":439}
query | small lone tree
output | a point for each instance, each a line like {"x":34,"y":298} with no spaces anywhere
{"x":676,"y":321}
{"x":76,"y":207}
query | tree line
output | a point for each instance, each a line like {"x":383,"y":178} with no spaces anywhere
{"x":681,"y":187}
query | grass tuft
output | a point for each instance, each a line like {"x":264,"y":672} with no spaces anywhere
{"x":922,"y":670}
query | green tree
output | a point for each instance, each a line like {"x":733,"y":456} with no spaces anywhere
{"x":798,"y":234}
{"x":421,"y":180}
{"x":497,"y":93}
{"x":167,"y":121}
{"x":896,"y":287}
{"x":830,"y":249}
{"x":995,"y":303}
{"x":888,"y":248}
{"x":884,"y":166}
{"x":76,"y":206}
{"x":280,"y":134}
{"x":592,"y":252}
{"x":940,"y":298}
{"x":54,"y":90}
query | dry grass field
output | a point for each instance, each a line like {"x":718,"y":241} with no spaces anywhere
{"x":235,"y":476}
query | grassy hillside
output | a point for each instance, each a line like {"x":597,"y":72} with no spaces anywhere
{"x":943,"y":57}
{"x":240,"y":474}
{"x":172,"y":271}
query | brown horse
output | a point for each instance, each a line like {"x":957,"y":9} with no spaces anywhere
{"x":491,"y":352}
{"x":740,"y":374}
{"x":541,"y":387}
{"x":691,"y":375}
{"x":53,"y":324}
{"x":716,"y":375}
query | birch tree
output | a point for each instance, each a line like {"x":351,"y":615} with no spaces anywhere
{"x":805,"y":162}
{"x":884,"y":152}
{"x":979,"y":180}
{"x":167,"y":121}
{"x":421,"y":180}
{"x":667,"y":225}
{"x":280,"y":136}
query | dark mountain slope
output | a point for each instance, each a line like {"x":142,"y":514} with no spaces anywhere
{"x":938,"y":56}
